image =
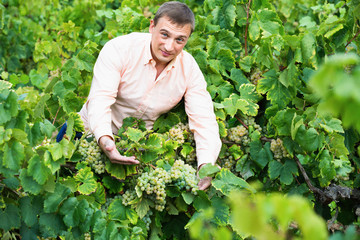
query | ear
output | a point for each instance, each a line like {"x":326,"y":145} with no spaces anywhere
{"x":152,"y":25}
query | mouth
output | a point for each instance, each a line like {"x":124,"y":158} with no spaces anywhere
{"x":165,"y":54}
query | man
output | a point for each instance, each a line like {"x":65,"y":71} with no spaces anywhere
{"x":145,"y":75}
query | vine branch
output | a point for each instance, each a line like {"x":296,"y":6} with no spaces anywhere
{"x":356,"y":35}
{"x":247,"y":27}
{"x":241,"y":121}
{"x":331,"y":193}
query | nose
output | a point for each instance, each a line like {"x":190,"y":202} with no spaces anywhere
{"x":169,"y":45}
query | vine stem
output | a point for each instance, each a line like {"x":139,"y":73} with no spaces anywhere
{"x":247,"y":27}
{"x":356,"y":35}
{"x":241,"y":121}
{"x":56,"y":115}
{"x":333,"y":219}
{"x":306,"y":177}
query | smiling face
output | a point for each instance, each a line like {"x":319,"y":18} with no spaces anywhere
{"x":168,"y":40}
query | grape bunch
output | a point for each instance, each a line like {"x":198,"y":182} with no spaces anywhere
{"x":91,"y":153}
{"x":191,"y":158}
{"x":228,"y":162}
{"x":256,"y":76}
{"x":147,"y":219}
{"x":45,"y":142}
{"x":278,"y":149}
{"x":180,"y":133}
{"x":128,"y":197}
{"x":183,"y":176}
{"x":250,"y":121}
{"x":239,"y":134}
{"x":153,"y":184}
{"x":87,"y":236}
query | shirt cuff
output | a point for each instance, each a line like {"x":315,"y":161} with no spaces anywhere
{"x":98,"y":133}
{"x":204,"y":158}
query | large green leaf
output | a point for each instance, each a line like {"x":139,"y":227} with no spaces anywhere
{"x":9,"y":217}
{"x":260,"y":154}
{"x":74,"y":211}
{"x":117,"y":211}
{"x":284,"y":171}
{"x":225,"y":182}
{"x":135,"y":134}
{"x":14,"y":154}
{"x":38,"y":170}
{"x":277,"y":93}
{"x":51,"y":225}
{"x":28,"y":183}
{"x":282,"y":121}
{"x":225,"y":15}
{"x":208,"y":170}
{"x":165,"y":122}
{"x":54,"y":199}
{"x":28,"y":211}
{"x":120,"y":171}
{"x":8,"y":105}
{"x":142,"y":207}
{"x":327,"y":168}
{"x":309,"y":139}
{"x":86,"y":181}
{"x":221,"y":211}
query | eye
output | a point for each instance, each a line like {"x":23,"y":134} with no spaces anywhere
{"x":180,"y":40}
{"x":164,"y":34}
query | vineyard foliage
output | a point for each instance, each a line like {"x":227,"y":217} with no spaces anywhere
{"x":284,"y":77}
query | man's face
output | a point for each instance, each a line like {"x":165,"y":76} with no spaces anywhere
{"x":168,"y":40}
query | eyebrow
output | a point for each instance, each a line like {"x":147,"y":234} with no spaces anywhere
{"x":166,"y":31}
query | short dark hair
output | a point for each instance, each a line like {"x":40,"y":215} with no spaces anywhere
{"x":177,"y":12}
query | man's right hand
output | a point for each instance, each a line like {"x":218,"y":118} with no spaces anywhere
{"x":107,"y":144}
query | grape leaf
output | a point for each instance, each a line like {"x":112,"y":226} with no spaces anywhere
{"x":87,"y":183}
{"x":225,"y":182}
{"x":285,"y":171}
{"x":277,"y":93}
{"x":14,"y":154}
{"x":38,"y":170}
{"x":10,"y":217}
{"x":53,"y":200}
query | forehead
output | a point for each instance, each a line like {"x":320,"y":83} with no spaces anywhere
{"x":166,"y":24}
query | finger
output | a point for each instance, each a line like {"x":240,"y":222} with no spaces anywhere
{"x":125,"y":162}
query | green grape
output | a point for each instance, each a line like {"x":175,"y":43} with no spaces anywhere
{"x":256,"y":76}
{"x":46,"y":142}
{"x":184,"y":176}
{"x":87,"y":236}
{"x":92,"y":153}
{"x":128,"y":196}
{"x":147,"y":219}
{"x":278,"y":149}
{"x":181,"y":133}
{"x":239,"y":134}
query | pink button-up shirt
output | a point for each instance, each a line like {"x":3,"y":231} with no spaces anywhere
{"x":124,"y":85}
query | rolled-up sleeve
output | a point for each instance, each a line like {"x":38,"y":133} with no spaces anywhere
{"x":104,"y":88}
{"x":202,"y":120}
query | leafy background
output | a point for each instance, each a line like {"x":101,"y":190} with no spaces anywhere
{"x":285,"y":71}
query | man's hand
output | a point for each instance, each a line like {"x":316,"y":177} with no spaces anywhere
{"x":107,"y":144}
{"x":204,"y":183}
